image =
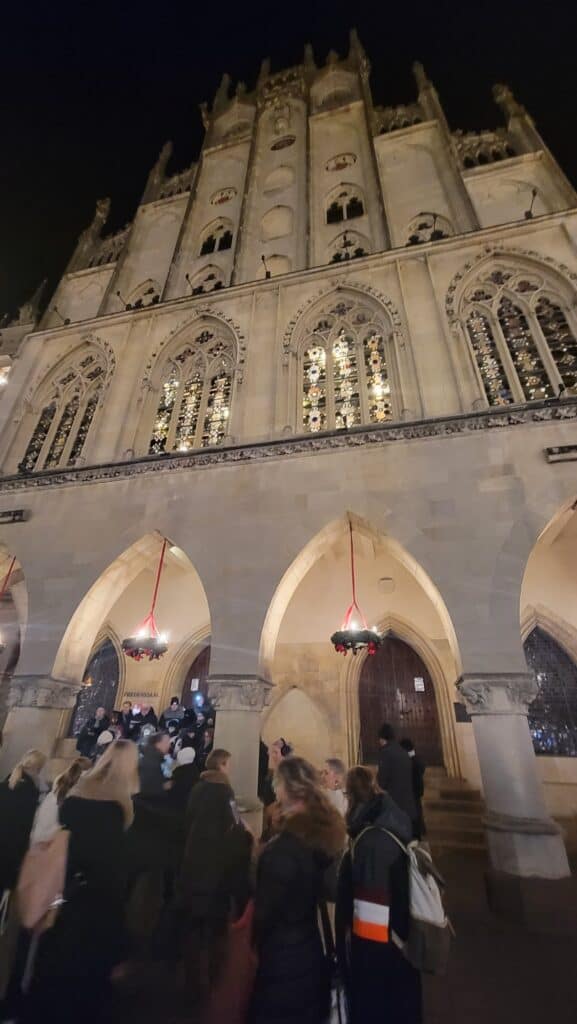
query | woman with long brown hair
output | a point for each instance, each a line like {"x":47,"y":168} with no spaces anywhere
{"x":292,"y":984}
{"x":76,"y":956}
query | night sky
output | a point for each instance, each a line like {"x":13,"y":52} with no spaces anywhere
{"x":89,"y":92}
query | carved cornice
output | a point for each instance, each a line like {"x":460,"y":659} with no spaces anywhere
{"x":496,"y":822}
{"x":505,"y":693}
{"x":41,"y":692}
{"x":239,"y":693}
{"x":309,"y":444}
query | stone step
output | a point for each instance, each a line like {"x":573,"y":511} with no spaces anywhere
{"x":65,"y":747}
{"x":451,"y":793}
{"x":466,"y":822}
{"x":454,"y":806}
{"x":464,"y":845}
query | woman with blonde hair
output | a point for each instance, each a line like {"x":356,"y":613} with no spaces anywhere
{"x":76,"y":957}
{"x":47,"y":821}
{"x":19,"y":795}
{"x":292,"y":984}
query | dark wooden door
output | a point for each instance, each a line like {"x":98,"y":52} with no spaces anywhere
{"x":396,"y":687}
{"x":99,"y":686}
{"x":198,"y":670}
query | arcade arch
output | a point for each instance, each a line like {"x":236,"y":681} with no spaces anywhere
{"x":119,"y":600}
{"x":396,"y":595}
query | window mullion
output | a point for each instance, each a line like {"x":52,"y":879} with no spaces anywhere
{"x":74,"y":427}
{"x":202,"y":409}
{"x":544,"y":350}
{"x":60,"y":407}
{"x":171,"y":435}
{"x":330,"y":386}
{"x":507,"y":360}
{"x":363,"y":382}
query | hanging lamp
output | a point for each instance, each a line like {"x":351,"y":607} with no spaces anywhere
{"x":2,"y":592}
{"x":147,"y":641}
{"x":349,"y":637}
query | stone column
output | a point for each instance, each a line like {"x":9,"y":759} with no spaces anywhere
{"x":37,"y":707}
{"x":528,"y":861}
{"x":239,"y":701}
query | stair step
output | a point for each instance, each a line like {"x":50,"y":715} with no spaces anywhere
{"x":472,"y":845}
{"x":454,"y":807}
{"x":465,"y":822}
{"x":65,"y":747}
{"x":459,"y":793}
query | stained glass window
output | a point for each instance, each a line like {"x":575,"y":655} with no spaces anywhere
{"x":168,"y":395}
{"x":63,"y":425}
{"x":217,"y":409}
{"x":522,"y":341}
{"x":519,"y":339}
{"x":562,"y":343}
{"x":345,"y":377}
{"x":195,"y":394}
{"x":488,"y":359}
{"x":553,"y":713}
{"x":38,"y":438}
{"x":378,"y":383}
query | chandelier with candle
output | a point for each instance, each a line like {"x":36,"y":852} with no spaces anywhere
{"x":147,"y":641}
{"x":354,"y":634}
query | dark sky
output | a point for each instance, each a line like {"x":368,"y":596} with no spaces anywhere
{"x":89,"y":92}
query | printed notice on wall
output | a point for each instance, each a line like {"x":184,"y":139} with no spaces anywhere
{"x":194,"y":683}
{"x":419,"y":684}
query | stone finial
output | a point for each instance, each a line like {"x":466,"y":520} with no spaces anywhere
{"x":264,"y":71}
{"x":221,"y":95}
{"x":421,"y":78}
{"x":205,"y":116}
{"x":505,"y":99}
{"x":308,"y":56}
{"x":100,"y":216}
{"x":241,"y":90}
{"x":332,"y":57}
{"x":356,"y":48}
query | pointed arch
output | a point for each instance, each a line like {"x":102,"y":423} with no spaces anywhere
{"x":517,"y":316}
{"x":147,"y":293}
{"x":191,"y":389}
{"x":216,"y":236}
{"x":416,"y":614}
{"x":129,"y":578}
{"x":347,"y":363}
{"x":63,"y":408}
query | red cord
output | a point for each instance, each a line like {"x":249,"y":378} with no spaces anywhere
{"x":353,"y":605}
{"x":7,"y":577}
{"x":156,"y":585}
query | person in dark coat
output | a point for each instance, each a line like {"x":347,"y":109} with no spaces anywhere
{"x":184,"y":777}
{"x":90,"y":731}
{"x":173,"y":713}
{"x":373,"y":908}
{"x":125,"y":720}
{"x":142,"y":716}
{"x":292,"y":983}
{"x":213,"y":886}
{"x":152,"y":779}
{"x":418,"y":770}
{"x":19,"y":795}
{"x":395,"y":774}
{"x":75,"y":957}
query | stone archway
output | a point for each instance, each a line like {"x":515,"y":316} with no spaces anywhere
{"x":395,"y":593}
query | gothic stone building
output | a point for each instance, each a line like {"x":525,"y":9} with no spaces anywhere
{"x":342,"y":315}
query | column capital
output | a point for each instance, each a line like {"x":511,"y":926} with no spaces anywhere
{"x":239,"y":692}
{"x":499,"y":693}
{"x":41,"y":692}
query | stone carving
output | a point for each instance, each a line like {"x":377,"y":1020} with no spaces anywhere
{"x":41,"y":692}
{"x":356,"y":437}
{"x":504,"y":694}
{"x":357,"y":288}
{"x":239,"y":693}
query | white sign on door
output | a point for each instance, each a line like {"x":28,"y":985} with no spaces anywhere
{"x":419,"y":684}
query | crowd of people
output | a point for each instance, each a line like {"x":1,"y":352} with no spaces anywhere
{"x":162,"y":872}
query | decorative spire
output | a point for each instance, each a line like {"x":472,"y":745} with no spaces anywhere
{"x":309,"y":57}
{"x":356,"y":48}
{"x":264,"y":71}
{"x":332,"y":57}
{"x":423,"y":82}
{"x":505,"y":99}
{"x":100,"y":217}
{"x":28,"y":312}
{"x":240,"y":90}
{"x":221,"y":95}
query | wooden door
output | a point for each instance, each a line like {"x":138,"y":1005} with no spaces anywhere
{"x":396,"y":687}
{"x":99,"y":686}
{"x":198,"y":670}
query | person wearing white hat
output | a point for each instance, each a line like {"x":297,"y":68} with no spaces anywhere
{"x":184,"y":777}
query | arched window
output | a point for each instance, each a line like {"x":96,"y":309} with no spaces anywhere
{"x":217,"y":237}
{"x":209,"y":279}
{"x":348,"y":246}
{"x":523,"y":337}
{"x":147,"y":294}
{"x":344,"y":203}
{"x":428,"y":227}
{"x":195,"y":387}
{"x":553,"y":713}
{"x":346,"y":371}
{"x":68,"y":404}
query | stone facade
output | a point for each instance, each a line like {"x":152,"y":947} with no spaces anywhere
{"x":341,"y":310}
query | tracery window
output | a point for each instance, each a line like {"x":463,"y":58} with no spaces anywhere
{"x":523,"y":337}
{"x":428,"y":227}
{"x":217,"y":239}
{"x":348,"y":246}
{"x":345,"y":368}
{"x":553,"y":713}
{"x":345,"y":203}
{"x":68,"y":407}
{"x":195,"y":387}
{"x":209,"y":279}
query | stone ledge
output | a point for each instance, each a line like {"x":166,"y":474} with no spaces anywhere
{"x":459,"y":425}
